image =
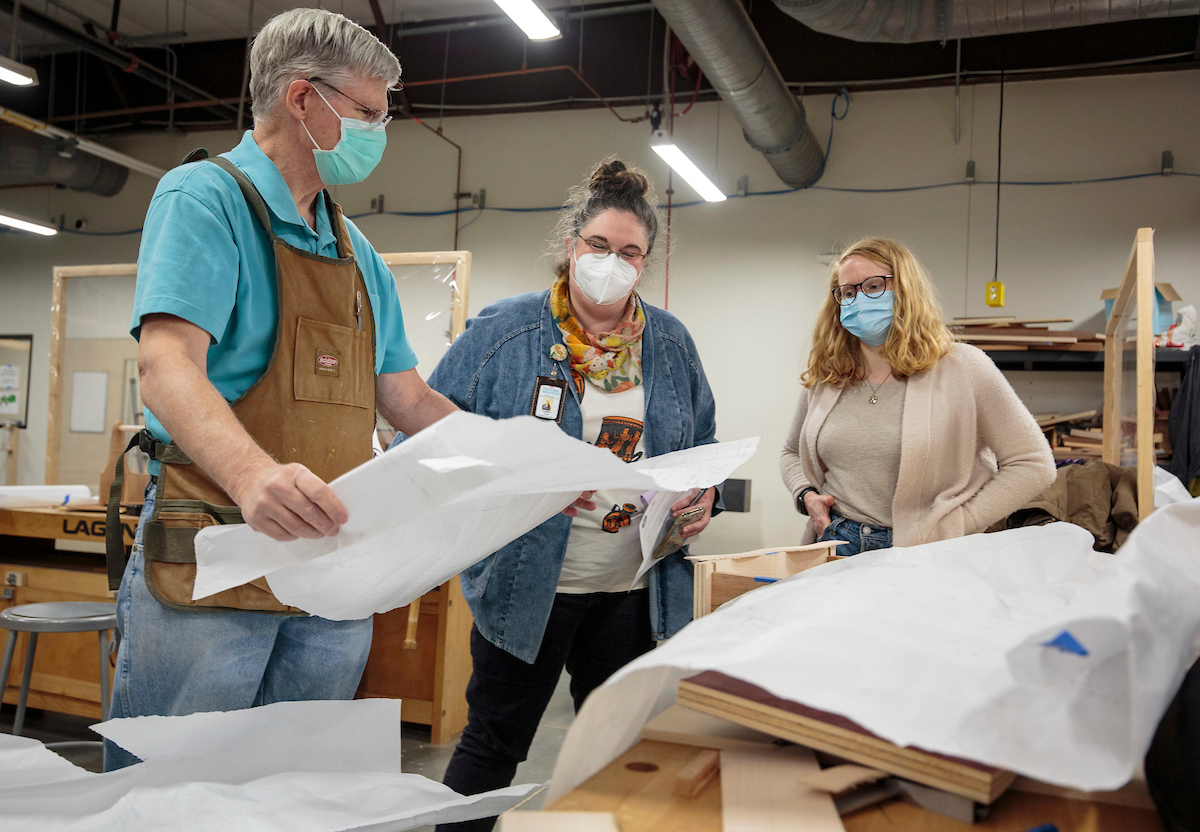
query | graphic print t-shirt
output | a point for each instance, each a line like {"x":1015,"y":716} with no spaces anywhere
{"x":604,"y":550}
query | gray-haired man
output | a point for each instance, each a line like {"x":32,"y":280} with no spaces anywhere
{"x":269,"y":332}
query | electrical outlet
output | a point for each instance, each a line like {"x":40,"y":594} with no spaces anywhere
{"x":993,"y":293}
{"x":14,"y":579}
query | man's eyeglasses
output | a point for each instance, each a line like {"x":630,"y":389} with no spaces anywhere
{"x":872,"y":287}
{"x":369,"y":114}
{"x":600,"y":247}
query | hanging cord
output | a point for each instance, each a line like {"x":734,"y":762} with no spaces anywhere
{"x":999,"y":157}
{"x":834,"y":118}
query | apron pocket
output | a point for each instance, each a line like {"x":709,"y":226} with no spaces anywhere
{"x":333,"y":364}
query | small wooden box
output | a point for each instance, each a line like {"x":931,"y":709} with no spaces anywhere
{"x":721,"y":578}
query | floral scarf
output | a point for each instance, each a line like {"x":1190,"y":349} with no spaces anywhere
{"x":612,"y":360}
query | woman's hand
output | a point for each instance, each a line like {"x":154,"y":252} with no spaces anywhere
{"x":701,"y":523}
{"x":583,"y":501}
{"x":818,"y":506}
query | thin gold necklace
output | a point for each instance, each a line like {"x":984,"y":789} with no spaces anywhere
{"x":875,"y":388}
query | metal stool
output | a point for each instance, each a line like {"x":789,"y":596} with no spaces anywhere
{"x":55,"y":617}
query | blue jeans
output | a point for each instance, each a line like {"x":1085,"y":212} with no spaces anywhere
{"x":174,"y":662}
{"x":859,"y":537}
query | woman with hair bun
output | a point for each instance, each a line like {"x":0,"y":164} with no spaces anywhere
{"x":612,"y":370}
{"x":901,"y":435}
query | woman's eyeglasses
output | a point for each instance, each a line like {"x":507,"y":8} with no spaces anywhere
{"x":600,"y":247}
{"x":872,"y":287}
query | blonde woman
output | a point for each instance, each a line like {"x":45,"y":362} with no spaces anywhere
{"x":902,"y":436}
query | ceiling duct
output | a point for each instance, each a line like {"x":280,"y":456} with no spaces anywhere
{"x":914,"y":21}
{"x":721,"y":39}
{"x":29,"y":159}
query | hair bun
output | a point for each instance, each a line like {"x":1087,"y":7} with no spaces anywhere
{"x":613,"y":178}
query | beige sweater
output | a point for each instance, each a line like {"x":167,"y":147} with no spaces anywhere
{"x":961,"y":420}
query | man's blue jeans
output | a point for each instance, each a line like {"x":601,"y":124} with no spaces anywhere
{"x":174,"y":662}
{"x":858,"y":536}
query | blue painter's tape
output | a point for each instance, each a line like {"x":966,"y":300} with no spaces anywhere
{"x":763,"y":580}
{"x":1045,"y":827}
{"x":1066,"y":642}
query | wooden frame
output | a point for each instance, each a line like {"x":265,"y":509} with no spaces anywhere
{"x":1137,"y":285}
{"x":718,"y":579}
{"x":58,"y":335}
{"x":422,"y":653}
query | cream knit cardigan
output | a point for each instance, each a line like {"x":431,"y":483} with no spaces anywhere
{"x":970,"y":452}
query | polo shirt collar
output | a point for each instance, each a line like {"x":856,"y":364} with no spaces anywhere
{"x":250,"y":159}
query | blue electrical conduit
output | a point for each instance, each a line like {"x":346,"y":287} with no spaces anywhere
{"x":954,"y":184}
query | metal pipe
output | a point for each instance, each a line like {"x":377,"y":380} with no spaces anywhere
{"x":721,"y":38}
{"x":12,"y":49}
{"x":504,"y":20}
{"x":957,"y":90}
{"x":245,"y":64}
{"x":117,"y":57}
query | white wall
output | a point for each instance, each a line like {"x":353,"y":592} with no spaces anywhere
{"x":744,"y":274}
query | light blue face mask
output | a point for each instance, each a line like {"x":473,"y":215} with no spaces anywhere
{"x":869,"y":319}
{"x":355,"y":155}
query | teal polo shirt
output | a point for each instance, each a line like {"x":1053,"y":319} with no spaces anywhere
{"x":205,"y":258}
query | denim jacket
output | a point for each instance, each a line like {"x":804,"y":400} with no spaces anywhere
{"x":491,"y":370}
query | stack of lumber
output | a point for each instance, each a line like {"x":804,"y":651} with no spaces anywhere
{"x":1009,"y":334}
{"x":1080,"y":435}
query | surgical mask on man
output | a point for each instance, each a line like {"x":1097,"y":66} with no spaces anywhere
{"x":604,"y":279}
{"x":869,"y":319}
{"x":355,"y":155}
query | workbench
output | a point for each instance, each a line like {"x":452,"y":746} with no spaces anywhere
{"x":66,"y":677}
{"x":638,"y":787}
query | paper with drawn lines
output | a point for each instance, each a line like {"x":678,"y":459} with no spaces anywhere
{"x":437,"y":503}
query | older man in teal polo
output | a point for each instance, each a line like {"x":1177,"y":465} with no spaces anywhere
{"x":270,"y":332}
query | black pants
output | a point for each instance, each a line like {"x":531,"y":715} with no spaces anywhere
{"x":593,"y":636}
{"x":1173,"y":762}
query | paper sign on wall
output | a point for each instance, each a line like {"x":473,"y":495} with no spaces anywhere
{"x":89,"y":402}
{"x":10,"y":402}
{"x":10,"y":376}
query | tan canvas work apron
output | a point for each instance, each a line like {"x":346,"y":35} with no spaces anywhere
{"x":314,"y":404}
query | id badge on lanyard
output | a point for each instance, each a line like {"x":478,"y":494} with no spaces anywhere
{"x":549,"y":399}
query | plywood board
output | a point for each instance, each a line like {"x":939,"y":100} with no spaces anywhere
{"x":741,"y":702}
{"x":761,"y":792}
{"x":838,"y":779}
{"x":558,"y":822}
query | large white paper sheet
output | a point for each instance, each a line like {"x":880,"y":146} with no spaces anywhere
{"x":13,"y":496}
{"x":950,"y":647}
{"x":436,"y":504}
{"x":308,"y":766}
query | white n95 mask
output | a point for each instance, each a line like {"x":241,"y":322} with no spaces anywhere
{"x":604,"y":279}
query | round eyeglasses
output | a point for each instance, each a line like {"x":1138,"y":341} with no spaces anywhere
{"x":872,"y":287}
{"x":599,"y":246}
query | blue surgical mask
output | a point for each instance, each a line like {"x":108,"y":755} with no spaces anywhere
{"x":869,"y":319}
{"x":355,"y":155}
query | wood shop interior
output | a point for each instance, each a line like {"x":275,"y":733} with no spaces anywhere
{"x":903,"y":295}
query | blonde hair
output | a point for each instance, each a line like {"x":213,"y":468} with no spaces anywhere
{"x":917,"y":339}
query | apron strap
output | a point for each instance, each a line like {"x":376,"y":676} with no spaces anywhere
{"x":114,"y":536}
{"x":177,"y":544}
{"x":253,"y":198}
{"x":340,"y":232}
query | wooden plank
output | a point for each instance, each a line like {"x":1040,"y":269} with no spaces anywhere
{"x":638,"y":787}
{"x":761,"y":792}
{"x":1145,"y":372}
{"x":104,"y":270}
{"x":696,"y":775}
{"x":727,"y":587}
{"x":453,"y":669}
{"x":1001,"y":337}
{"x":59,"y":524}
{"x":1070,"y":417}
{"x":748,"y":705}
{"x":558,"y":822}
{"x":58,"y":332}
{"x":687,"y":726}
{"x":838,"y":779}
{"x":1008,"y":321}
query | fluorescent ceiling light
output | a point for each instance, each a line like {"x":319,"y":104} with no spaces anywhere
{"x":17,"y":74}
{"x":531,"y":19}
{"x":27,"y":225}
{"x":682,"y":165}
